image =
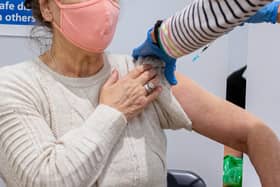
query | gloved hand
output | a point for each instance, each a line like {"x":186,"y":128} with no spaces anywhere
{"x":267,"y":14}
{"x":148,"y":48}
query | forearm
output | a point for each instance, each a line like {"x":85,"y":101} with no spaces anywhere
{"x":203,"y":21}
{"x":218,"y":119}
{"x":264,"y":153}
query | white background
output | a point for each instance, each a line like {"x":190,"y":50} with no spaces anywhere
{"x":14,"y":30}
{"x":191,"y":151}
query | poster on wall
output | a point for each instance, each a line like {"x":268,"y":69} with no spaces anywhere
{"x":15,"y":19}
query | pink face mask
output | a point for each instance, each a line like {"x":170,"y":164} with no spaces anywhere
{"x":90,"y":25}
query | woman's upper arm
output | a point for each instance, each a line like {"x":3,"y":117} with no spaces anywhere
{"x":212,"y":116}
{"x":169,"y":111}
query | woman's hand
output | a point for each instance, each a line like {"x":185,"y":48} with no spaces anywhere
{"x":149,"y":48}
{"x":128,"y":94}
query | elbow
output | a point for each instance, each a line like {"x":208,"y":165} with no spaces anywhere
{"x":254,"y":130}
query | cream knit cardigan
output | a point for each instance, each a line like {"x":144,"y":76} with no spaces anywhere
{"x":53,"y":132}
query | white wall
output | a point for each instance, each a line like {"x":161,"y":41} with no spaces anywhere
{"x":258,"y":47}
{"x":185,"y":150}
{"x":263,"y":91}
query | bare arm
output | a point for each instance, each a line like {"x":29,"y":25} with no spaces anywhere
{"x":278,"y":15}
{"x":218,"y":119}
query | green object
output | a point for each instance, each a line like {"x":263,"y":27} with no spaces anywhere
{"x":232,"y":171}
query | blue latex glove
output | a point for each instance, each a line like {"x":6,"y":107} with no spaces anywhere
{"x":148,"y":48}
{"x":267,"y":14}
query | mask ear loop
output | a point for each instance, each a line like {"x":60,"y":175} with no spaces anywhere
{"x":59,"y":5}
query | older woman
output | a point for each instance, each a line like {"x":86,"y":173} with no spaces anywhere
{"x":76,"y":116}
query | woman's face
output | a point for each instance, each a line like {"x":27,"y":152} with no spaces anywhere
{"x":51,"y":12}
{"x":89,"y":26}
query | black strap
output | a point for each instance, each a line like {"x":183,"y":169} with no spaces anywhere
{"x":156,"y":31}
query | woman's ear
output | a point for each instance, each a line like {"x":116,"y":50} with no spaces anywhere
{"x":46,"y":10}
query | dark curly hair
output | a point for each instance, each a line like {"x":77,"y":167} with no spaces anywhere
{"x":35,"y":7}
{"x":42,"y":31}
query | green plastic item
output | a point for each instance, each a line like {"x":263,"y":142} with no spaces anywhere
{"x":233,"y":167}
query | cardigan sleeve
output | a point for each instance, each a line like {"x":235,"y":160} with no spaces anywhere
{"x":169,"y":111}
{"x":37,"y":158}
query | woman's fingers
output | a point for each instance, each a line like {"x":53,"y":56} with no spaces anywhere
{"x":133,"y":92}
{"x":139,"y":70}
{"x":155,"y":81}
{"x":147,"y":76}
{"x":152,"y":96}
{"x":151,"y":85}
{"x":114,"y":77}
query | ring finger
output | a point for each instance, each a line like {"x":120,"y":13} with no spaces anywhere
{"x":151,"y":85}
{"x":147,"y":76}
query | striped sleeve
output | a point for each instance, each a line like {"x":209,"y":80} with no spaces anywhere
{"x":202,"y":21}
